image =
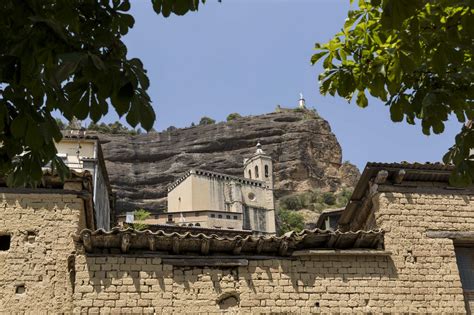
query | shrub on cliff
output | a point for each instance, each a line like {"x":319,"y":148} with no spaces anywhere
{"x":289,"y":221}
{"x":233,"y":116}
{"x":206,"y":121}
{"x":291,"y":202}
{"x":329,"y":198}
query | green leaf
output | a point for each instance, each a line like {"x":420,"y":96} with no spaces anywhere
{"x":395,"y":12}
{"x":362,"y":99}
{"x":396,"y":111}
{"x":439,"y":60}
{"x":318,"y":56}
{"x":438,"y":127}
{"x":18,"y":127}
{"x":122,"y":99}
{"x":157,"y":5}
{"x":124,"y":6}
{"x":406,"y":61}
{"x":98,"y":63}
{"x":33,"y":137}
{"x":65,"y":70}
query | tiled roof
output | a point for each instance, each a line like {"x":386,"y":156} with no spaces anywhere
{"x":436,"y":172}
{"x":129,"y":240}
{"x":170,"y":228}
{"x":414,"y":166}
{"x":395,"y":173}
{"x":221,"y":176}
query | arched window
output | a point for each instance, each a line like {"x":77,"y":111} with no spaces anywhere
{"x":266,"y":171}
{"x":250,"y":173}
{"x":256,"y":171}
{"x":198,"y":224}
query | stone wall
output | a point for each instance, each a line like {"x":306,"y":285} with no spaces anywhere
{"x":426,"y":266}
{"x":307,"y":285}
{"x":420,"y":275}
{"x":34,"y":271}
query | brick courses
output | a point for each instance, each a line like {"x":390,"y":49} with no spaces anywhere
{"x":420,"y":275}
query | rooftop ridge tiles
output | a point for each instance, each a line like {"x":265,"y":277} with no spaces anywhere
{"x":117,"y":230}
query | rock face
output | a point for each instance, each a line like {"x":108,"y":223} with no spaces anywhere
{"x":306,"y":155}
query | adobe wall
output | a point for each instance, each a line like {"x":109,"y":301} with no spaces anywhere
{"x":420,"y":275}
{"x":41,"y":228}
{"x":118,"y":284}
{"x":426,"y":267}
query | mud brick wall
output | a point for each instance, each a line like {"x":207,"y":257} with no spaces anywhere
{"x":112,"y":284}
{"x":44,"y":270}
{"x":34,"y":273}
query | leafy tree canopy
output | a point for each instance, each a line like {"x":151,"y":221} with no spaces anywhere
{"x":416,"y":56}
{"x":289,"y":221}
{"x":66,"y":56}
{"x":206,"y":121}
{"x":113,"y":128}
{"x":233,"y":116}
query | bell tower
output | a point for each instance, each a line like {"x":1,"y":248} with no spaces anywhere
{"x":259,"y":167}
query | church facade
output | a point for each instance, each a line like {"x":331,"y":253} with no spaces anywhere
{"x":207,"y":199}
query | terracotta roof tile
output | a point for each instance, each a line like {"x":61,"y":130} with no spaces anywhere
{"x":207,"y":244}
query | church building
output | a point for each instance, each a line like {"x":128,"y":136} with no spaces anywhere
{"x":208,"y":199}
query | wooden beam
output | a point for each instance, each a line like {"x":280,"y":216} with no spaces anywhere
{"x":238,"y":246}
{"x":163,"y":255}
{"x":412,"y":188}
{"x":175,"y":245}
{"x":152,"y":243}
{"x":381,"y":177}
{"x":283,"y":248}
{"x":450,"y":234}
{"x":259,"y":246}
{"x":208,"y":261}
{"x":333,"y":240}
{"x":84,"y":194}
{"x":205,"y":244}
{"x":399,"y":176}
{"x":125,"y":242}
{"x":341,"y":252}
{"x":87,"y":241}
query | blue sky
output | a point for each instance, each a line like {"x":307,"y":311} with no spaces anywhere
{"x":247,"y":56}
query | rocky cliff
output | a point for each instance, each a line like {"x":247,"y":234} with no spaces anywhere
{"x":306,"y":156}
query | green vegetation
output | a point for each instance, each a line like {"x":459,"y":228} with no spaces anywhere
{"x":233,"y":116}
{"x":113,"y":128}
{"x":315,"y":200}
{"x":289,"y":221}
{"x":206,"y":121}
{"x":67,"y":57}
{"x":417,"y":57}
{"x":140,"y":215}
